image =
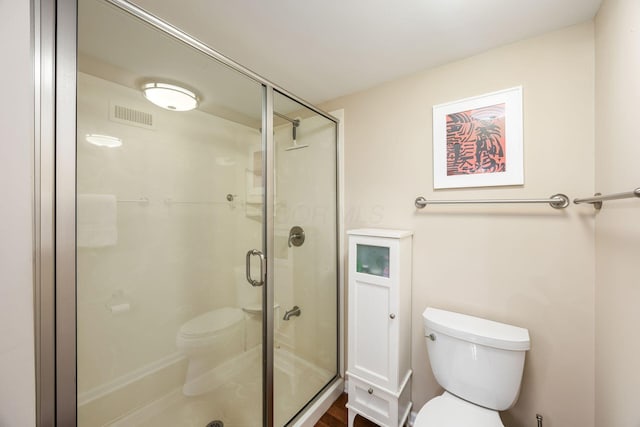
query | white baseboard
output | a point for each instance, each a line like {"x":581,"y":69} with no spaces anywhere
{"x":412,"y":418}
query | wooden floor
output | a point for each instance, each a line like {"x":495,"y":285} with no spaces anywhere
{"x":336,"y":416}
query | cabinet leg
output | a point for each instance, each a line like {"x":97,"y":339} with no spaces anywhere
{"x":352,"y":417}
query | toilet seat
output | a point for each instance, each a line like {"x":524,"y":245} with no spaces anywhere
{"x":211,"y":322}
{"x":448,"y":410}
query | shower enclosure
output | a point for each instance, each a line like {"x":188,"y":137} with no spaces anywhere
{"x":197,"y":245}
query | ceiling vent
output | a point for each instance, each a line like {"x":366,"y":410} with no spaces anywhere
{"x":131,"y":116}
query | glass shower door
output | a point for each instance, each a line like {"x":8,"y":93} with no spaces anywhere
{"x":305,"y":256}
{"x":169,"y":202}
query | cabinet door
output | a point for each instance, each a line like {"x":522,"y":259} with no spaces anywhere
{"x":373,"y":354}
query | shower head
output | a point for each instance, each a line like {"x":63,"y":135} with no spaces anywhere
{"x":295,"y":145}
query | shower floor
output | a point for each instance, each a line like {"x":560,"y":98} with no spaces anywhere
{"x":237,"y":402}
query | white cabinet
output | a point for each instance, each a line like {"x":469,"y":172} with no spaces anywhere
{"x":379,"y":319}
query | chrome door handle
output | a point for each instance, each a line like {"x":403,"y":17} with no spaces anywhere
{"x":260,"y":255}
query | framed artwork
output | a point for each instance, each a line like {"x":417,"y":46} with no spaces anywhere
{"x":477,"y":142}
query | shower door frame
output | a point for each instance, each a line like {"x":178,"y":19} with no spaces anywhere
{"x":54,"y":31}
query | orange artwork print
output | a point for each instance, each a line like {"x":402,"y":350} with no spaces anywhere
{"x":476,"y":141}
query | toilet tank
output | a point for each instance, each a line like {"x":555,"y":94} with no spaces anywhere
{"x":478,"y":360}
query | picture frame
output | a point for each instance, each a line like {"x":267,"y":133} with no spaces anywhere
{"x":478,"y":141}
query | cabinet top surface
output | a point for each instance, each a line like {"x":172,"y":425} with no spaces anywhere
{"x":380,"y":232}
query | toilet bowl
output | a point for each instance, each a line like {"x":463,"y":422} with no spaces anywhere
{"x":478,"y":362}
{"x":448,"y":410}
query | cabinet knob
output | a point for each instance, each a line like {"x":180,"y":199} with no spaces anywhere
{"x":370,"y":391}
{"x":392,"y":316}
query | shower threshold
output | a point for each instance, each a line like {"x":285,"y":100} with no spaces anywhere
{"x":237,"y":401}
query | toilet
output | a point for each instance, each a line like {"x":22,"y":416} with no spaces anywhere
{"x":479,"y":364}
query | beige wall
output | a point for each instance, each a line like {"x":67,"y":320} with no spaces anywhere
{"x":530,"y":266}
{"x":17,"y":378}
{"x":617,"y":365}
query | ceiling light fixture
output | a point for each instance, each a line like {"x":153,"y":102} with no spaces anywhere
{"x":103,"y":140}
{"x":170,"y":97}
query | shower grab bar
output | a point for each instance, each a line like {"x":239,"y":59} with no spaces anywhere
{"x":170,"y":201}
{"x":598,"y":198}
{"x":557,"y":201}
{"x":141,"y":200}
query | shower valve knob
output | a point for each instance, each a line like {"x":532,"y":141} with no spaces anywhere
{"x":296,"y":236}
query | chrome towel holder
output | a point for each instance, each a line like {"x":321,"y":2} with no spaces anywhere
{"x":557,"y":201}
{"x":598,"y":198}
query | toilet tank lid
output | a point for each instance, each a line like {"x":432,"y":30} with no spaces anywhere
{"x":212,"y":321}
{"x":477,"y":330}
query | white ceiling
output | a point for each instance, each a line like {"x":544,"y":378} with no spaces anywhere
{"x":320,"y":50}
{"x":137,"y":53}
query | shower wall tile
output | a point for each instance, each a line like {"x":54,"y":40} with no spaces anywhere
{"x":172,"y":260}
